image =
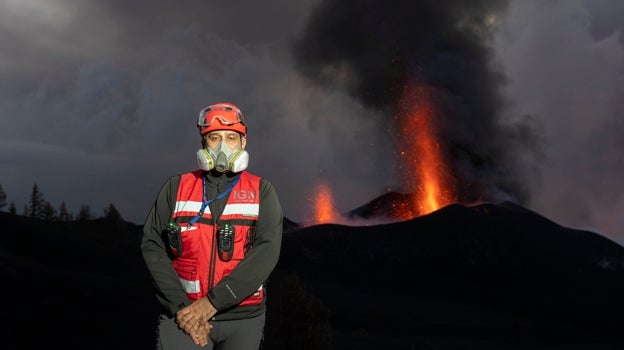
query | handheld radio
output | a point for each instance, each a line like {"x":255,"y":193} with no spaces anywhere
{"x":174,"y":238}
{"x":225,"y":242}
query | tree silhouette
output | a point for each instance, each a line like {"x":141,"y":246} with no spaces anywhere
{"x":35,"y":205}
{"x":48,"y":213}
{"x":3,"y":198}
{"x":112,"y":214}
{"x":63,"y":213}
{"x":85,"y":213}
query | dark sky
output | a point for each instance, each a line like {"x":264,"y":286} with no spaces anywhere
{"x":98,"y":99}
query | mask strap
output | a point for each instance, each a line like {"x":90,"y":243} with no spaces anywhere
{"x":205,"y":202}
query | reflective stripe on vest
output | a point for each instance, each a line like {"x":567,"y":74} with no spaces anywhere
{"x":199,"y":267}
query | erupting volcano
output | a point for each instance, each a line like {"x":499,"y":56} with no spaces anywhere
{"x":425,"y":173}
{"x":428,"y":73}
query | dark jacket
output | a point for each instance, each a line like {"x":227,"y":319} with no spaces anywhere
{"x":258,"y":263}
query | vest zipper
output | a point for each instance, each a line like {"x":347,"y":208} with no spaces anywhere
{"x":213,"y":256}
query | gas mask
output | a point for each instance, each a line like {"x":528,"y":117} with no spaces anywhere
{"x":223,"y":158}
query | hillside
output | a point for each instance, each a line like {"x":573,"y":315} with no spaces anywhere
{"x":74,"y":285}
{"x":486,"y":276}
{"x":490,"y":276}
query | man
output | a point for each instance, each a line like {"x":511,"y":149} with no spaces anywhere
{"x":211,"y":240}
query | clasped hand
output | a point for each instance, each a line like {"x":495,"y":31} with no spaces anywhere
{"x":194,"y":318}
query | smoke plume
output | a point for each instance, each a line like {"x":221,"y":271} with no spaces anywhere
{"x":374,"y":49}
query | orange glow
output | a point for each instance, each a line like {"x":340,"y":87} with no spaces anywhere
{"x":324,"y":211}
{"x":422,"y":163}
{"x":422,"y":159}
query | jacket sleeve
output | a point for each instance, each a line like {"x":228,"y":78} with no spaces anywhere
{"x":169,"y":291}
{"x":260,"y":260}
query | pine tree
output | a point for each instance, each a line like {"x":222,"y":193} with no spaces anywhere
{"x":112,"y":214}
{"x":63,"y":213}
{"x":3,"y":198}
{"x":48,"y":213}
{"x":12,"y":209}
{"x":85,"y":213}
{"x":35,"y":205}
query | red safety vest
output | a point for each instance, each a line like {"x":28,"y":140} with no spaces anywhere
{"x":199,"y":266}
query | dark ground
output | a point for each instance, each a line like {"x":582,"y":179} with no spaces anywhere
{"x":482,"y":277}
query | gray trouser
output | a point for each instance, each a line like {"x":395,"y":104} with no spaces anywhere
{"x":245,"y":334}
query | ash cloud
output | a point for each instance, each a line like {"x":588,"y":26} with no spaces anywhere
{"x":98,"y":98}
{"x":565,"y":63}
{"x":98,"y":102}
{"x":372,"y":49}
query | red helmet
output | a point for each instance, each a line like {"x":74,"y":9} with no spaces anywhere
{"x":221,"y":116}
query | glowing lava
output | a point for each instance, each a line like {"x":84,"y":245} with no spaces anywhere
{"x":324,"y":211}
{"x":422,"y":159}
{"x":422,"y":163}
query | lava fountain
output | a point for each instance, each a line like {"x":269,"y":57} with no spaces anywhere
{"x":324,"y":210}
{"x":421,"y":157}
